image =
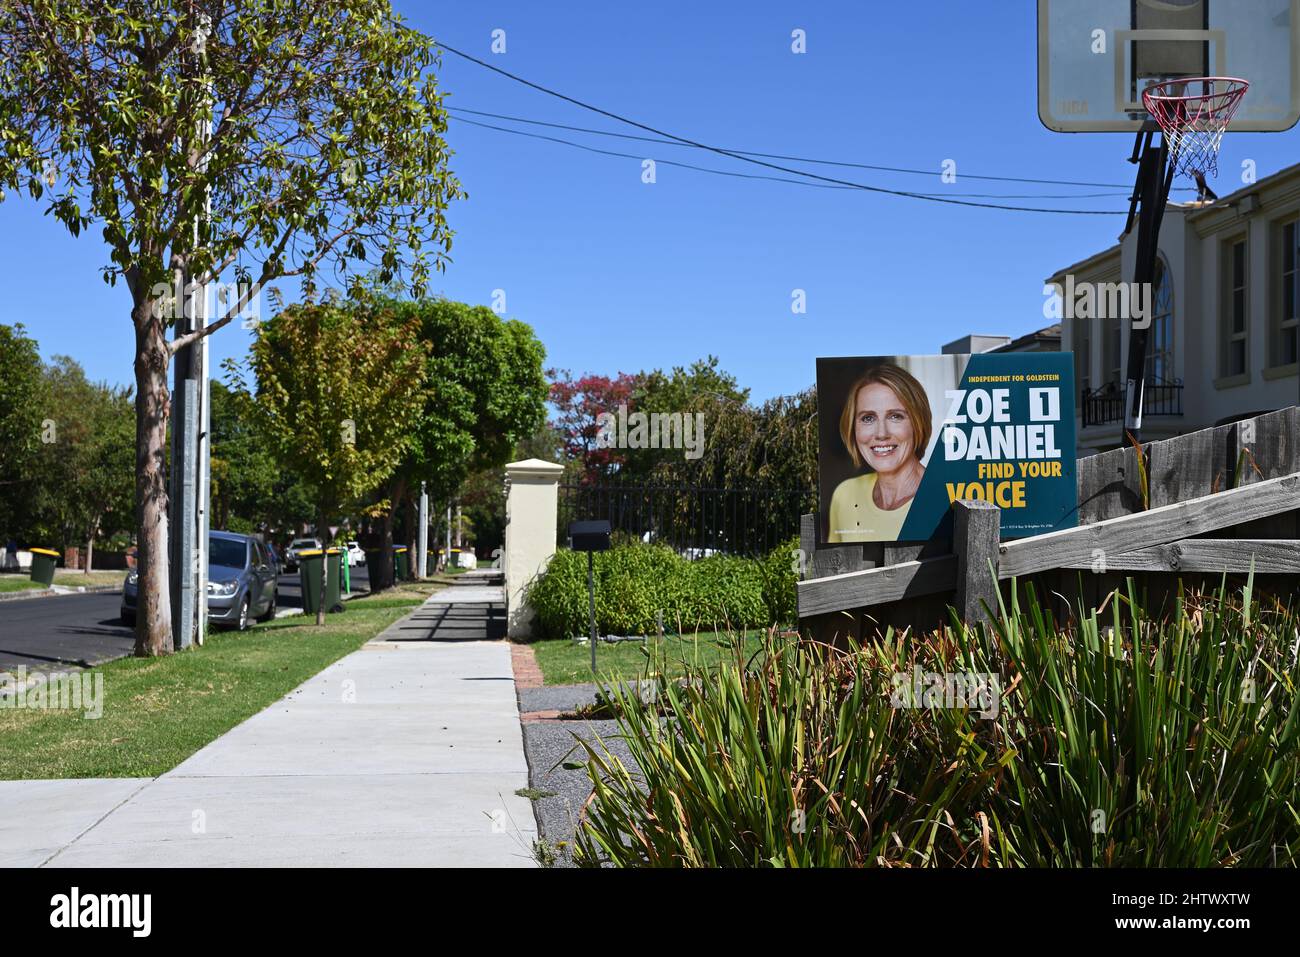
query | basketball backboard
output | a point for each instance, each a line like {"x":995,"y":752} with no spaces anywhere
{"x":1095,"y":58}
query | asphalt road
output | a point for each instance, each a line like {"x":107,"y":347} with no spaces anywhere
{"x":85,"y":630}
{"x":63,"y":631}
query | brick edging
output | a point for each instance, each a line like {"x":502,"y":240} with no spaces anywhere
{"x":523,"y":660}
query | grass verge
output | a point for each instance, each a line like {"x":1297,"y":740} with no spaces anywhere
{"x":74,"y":578}
{"x":159,"y":711}
{"x":564,"y":661}
{"x":12,"y":583}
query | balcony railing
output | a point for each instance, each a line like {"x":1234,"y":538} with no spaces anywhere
{"x":1105,"y":405}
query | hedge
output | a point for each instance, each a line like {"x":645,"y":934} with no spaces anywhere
{"x":636,"y":581}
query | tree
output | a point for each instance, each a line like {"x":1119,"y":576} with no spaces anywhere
{"x":701,"y":387}
{"x":270,"y":138}
{"x":20,"y":421}
{"x":250,"y":491}
{"x":339,"y":389}
{"x":86,"y":461}
{"x":578,"y":403}
{"x":487,"y":391}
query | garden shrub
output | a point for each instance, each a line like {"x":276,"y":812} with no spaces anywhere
{"x":779,"y":577}
{"x":635,"y":581}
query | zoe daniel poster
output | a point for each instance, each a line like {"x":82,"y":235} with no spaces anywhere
{"x":903,"y":437}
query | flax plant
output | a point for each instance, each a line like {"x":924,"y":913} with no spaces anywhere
{"x":1119,"y":740}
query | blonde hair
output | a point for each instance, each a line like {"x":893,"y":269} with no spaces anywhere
{"x":909,"y":392}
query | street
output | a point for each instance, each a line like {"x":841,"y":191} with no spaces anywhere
{"x":84,"y":630}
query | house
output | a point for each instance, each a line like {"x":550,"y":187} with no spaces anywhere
{"x":1223,"y":339}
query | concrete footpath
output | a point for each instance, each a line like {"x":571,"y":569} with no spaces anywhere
{"x":406,"y":753}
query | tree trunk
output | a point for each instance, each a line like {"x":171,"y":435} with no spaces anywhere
{"x":153,"y":628}
{"x":382,"y":576}
{"x":90,"y":545}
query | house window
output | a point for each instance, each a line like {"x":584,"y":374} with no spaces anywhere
{"x":1160,"y":342}
{"x":1285,"y":346}
{"x":1235,"y":350}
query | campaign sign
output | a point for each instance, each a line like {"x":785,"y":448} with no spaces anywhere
{"x":903,"y":437}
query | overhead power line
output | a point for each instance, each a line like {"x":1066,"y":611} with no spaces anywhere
{"x":800,"y":159}
{"x":764,"y":163}
{"x":733,"y":173}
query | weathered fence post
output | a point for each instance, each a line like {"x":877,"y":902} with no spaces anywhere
{"x":835,"y":560}
{"x":976,"y":534}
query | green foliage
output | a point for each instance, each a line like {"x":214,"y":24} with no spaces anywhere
{"x":85,"y":466}
{"x":635,"y":581}
{"x":780,"y":574}
{"x":20,"y":421}
{"x":250,"y":490}
{"x":1117,"y":740}
{"x":339,"y":387}
{"x":488,"y":391}
{"x":327,"y":127}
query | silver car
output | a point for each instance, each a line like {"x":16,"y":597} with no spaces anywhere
{"x":241,"y":582}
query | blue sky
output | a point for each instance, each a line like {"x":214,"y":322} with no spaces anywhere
{"x":619,"y":275}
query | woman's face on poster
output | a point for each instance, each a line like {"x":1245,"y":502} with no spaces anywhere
{"x":883,"y":429}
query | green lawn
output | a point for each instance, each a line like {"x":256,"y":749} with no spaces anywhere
{"x":159,"y":711}
{"x":72,"y":579}
{"x":75,"y":578}
{"x":17,"y":583}
{"x":565,"y":661}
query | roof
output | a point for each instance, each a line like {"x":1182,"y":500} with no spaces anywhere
{"x":1095,"y":259}
{"x":1050,"y":333}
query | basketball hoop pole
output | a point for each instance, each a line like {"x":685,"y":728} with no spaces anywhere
{"x":1151,"y":197}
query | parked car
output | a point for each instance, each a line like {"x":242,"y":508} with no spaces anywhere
{"x":296,"y":546}
{"x":241,"y":582}
{"x":356,"y":555}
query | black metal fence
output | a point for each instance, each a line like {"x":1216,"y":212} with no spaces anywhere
{"x":1106,"y":405}
{"x":694,"y":521}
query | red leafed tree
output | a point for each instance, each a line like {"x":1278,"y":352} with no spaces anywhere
{"x":578,"y":403}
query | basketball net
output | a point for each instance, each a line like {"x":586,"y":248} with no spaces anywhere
{"x":1193,"y":115}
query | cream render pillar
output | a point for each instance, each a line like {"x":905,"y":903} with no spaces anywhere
{"x":532,"y":510}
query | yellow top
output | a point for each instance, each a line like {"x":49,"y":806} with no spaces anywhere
{"x":44,"y":551}
{"x":855,"y":517}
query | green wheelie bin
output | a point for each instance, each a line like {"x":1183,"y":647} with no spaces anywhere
{"x":44,"y":561}
{"x":311,"y":563}
{"x":332,"y":600}
{"x":400,"y":565}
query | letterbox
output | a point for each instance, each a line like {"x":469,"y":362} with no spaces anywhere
{"x":592,"y":536}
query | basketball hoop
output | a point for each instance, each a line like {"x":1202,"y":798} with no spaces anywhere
{"x":1193,"y":115}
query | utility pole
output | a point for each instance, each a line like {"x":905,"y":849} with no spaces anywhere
{"x":188,"y":516}
{"x":422,"y":548}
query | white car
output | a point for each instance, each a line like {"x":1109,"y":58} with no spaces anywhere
{"x":356,"y":555}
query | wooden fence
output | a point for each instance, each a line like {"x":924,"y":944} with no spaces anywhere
{"x":1219,"y":501}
